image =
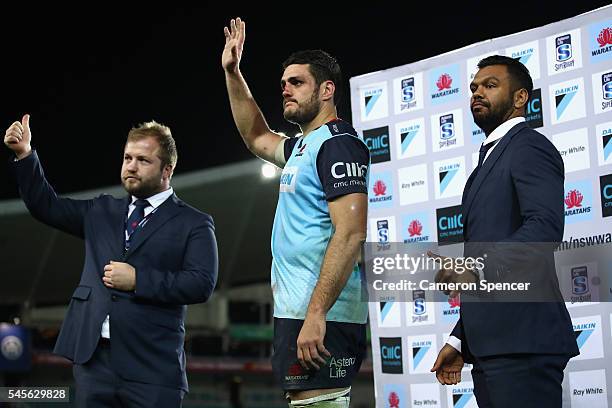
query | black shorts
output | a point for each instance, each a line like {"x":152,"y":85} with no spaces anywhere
{"x":346,"y":343}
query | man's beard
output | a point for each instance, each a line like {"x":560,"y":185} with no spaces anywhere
{"x":144,"y":189}
{"x":304,"y":113}
{"x":494,"y":117}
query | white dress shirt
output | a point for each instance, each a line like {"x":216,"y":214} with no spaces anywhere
{"x":154,"y":202}
{"x":495,"y":135}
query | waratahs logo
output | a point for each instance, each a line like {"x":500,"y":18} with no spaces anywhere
{"x":443,"y":85}
{"x":394,"y":400}
{"x":605,"y":37}
{"x":600,"y":41}
{"x":379,"y":188}
{"x":578,"y":201}
{"x":415,"y":228}
{"x":573,"y":199}
{"x":444,"y":82}
{"x":394,"y":396}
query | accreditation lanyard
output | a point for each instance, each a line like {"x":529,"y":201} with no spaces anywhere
{"x":140,"y":225}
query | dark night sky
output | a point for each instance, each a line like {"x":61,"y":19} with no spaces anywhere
{"x":86,"y":75}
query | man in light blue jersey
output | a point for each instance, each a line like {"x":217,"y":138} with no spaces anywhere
{"x":320,"y":224}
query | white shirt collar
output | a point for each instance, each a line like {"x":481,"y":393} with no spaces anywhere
{"x":157,"y":199}
{"x":502,"y":129}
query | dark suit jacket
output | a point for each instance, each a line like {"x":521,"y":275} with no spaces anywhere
{"x":517,"y":197}
{"x":175,"y":257}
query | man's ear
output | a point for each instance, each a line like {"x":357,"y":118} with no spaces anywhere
{"x":167,"y":171}
{"x":521,"y":97}
{"x":327,"y":89}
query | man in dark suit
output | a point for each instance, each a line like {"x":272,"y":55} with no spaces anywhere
{"x":148,"y":255}
{"x":512,"y":203}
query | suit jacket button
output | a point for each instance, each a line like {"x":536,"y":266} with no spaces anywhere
{"x":114,"y":298}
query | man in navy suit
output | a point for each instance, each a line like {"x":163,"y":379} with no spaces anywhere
{"x":513,"y":199}
{"x":148,"y":255}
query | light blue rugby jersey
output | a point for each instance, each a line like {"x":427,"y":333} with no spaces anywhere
{"x":329,"y":162}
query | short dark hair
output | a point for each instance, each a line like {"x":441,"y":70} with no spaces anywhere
{"x":518,"y":72}
{"x":323,"y":67}
{"x":167,"y":146}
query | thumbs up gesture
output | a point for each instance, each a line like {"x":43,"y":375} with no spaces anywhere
{"x":18,"y":137}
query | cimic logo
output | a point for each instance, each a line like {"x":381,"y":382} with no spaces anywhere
{"x":563,"y":47}
{"x":350,"y":170}
{"x":450,"y":224}
{"x":534,"y":116}
{"x":446,"y":223}
{"x":580,"y":284}
{"x":391,"y":355}
{"x":377,"y":141}
{"x":605,"y":184}
{"x":606,"y":89}
{"x":447,"y":130}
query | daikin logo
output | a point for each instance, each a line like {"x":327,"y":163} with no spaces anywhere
{"x":370,"y":97}
{"x":407,"y":136}
{"x":462,"y":396}
{"x":419,"y":350}
{"x":446,"y":174}
{"x":563,"y":97}
{"x":523,"y":56}
{"x":385,"y":308}
{"x":583,"y":332}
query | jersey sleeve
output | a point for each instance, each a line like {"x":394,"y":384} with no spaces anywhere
{"x":288,"y":147}
{"x":342,"y":164}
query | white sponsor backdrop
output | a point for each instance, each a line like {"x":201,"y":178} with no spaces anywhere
{"x":416,"y":120}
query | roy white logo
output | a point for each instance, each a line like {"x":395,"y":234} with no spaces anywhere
{"x":341,"y":169}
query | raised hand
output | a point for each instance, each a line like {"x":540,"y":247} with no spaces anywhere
{"x":234,"y":42}
{"x":18,"y":137}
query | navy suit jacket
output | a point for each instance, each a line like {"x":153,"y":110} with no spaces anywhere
{"x":175,"y":257}
{"x":517,"y":197}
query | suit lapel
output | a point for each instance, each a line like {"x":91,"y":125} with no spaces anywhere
{"x":471,"y":190}
{"x":164,"y":213}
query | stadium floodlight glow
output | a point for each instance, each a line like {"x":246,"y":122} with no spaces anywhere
{"x":268,"y":170}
